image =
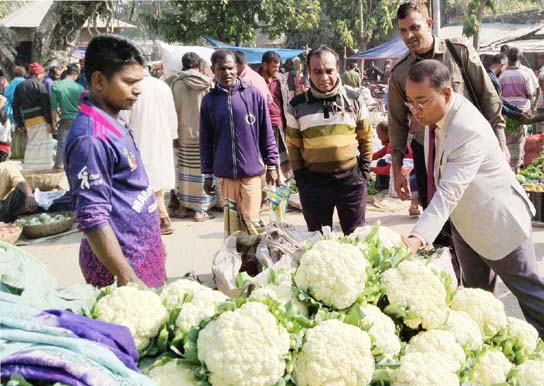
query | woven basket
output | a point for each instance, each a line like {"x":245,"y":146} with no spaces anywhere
{"x":43,"y":179}
{"x":44,"y":230}
{"x":12,"y":239}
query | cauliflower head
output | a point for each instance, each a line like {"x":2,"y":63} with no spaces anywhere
{"x":196,"y":302}
{"x":244,"y":347}
{"x":530,"y":373}
{"x":283,"y":294}
{"x":141,"y":311}
{"x":414,"y":285}
{"x":464,"y":329}
{"x":334,"y":272}
{"x":334,"y":354}
{"x":483,"y":307}
{"x":387,"y":237}
{"x":429,"y":369}
{"x":172,"y":374}
{"x":491,"y":369}
{"x":524,"y":332}
{"x":439,"y":341}
{"x":382,"y":330}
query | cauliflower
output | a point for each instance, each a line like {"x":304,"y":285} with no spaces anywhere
{"x":245,"y":347}
{"x":283,"y":294}
{"x":438,"y":341}
{"x":387,"y":237}
{"x":141,"y":311}
{"x":381,"y":329}
{"x":464,"y":329}
{"x":491,"y":369}
{"x":172,"y":373}
{"x":425,"y":369}
{"x":197,"y":302}
{"x":483,"y":307}
{"x":334,"y":273}
{"x":530,"y":373}
{"x":415,"y":287}
{"x":526,"y":334}
{"x":334,"y":354}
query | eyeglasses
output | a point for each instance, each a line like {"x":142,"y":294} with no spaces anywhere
{"x":421,"y":106}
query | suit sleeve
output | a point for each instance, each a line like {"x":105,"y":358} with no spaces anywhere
{"x":267,"y":141}
{"x":293,"y":140}
{"x":206,"y":139}
{"x":462,"y":166}
{"x":489,"y":100}
{"x":397,"y":120}
{"x":89,"y":170}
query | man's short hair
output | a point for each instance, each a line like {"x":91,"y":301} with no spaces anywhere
{"x":514,"y":54}
{"x":109,"y":53}
{"x":19,"y":71}
{"x":383,"y":125}
{"x":240,"y":57}
{"x":319,"y":51}
{"x":190,"y":60}
{"x":504,"y":49}
{"x":271,"y":57}
{"x":53,"y":70}
{"x":221,"y":54}
{"x":72,"y":69}
{"x":412,"y":6}
{"x":437,"y":73}
{"x":351,"y":66}
{"x":498,"y":59}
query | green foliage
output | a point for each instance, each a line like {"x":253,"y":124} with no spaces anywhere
{"x":234,"y":22}
{"x":339,"y":25}
{"x":4,"y":8}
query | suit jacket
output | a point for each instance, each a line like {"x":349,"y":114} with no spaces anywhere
{"x":476,"y":188}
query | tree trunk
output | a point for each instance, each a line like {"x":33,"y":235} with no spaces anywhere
{"x":476,"y":37}
{"x":58,"y":33}
{"x":8,"y":50}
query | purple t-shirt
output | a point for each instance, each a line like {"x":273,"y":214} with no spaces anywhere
{"x":109,"y":185}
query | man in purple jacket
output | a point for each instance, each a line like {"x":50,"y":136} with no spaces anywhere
{"x":115,"y":206}
{"x":237,"y":145}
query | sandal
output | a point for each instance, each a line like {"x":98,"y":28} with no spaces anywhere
{"x":202,"y":216}
{"x":166,"y":226}
{"x":180,"y":213}
{"x":414,"y":211}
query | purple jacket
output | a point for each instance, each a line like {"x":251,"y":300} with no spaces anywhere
{"x":236,"y":137}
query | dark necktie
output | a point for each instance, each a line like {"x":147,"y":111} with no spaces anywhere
{"x":430,"y":163}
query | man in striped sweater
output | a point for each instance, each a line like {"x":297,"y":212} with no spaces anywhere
{"x":329,"y":141}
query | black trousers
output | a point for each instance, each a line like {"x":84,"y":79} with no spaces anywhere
{"x":12,"y":206}
{"x":320,"y":194}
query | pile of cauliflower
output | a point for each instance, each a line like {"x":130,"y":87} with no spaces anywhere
{"x":355,"y":311}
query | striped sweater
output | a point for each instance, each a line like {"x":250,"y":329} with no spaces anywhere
{"x":327,"y":135}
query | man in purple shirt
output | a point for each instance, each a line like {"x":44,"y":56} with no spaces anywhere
{"x":51,"y":78}
{"x":115,"y":206}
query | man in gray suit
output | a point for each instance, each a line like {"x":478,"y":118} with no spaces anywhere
{"x":474,"y":187}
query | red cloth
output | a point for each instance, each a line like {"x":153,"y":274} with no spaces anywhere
{"x":275,"y":108}
{"x":5,"y":147}
{"x":35,"y":68}
{"x":384,"y":170}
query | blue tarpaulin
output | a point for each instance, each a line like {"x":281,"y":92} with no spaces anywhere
{"x":392,"y":49}
{"x":254,"y":55}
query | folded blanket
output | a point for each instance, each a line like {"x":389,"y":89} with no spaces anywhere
{"x":51,"y":346}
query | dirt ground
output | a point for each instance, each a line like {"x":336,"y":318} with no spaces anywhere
{"x":192,"y":246}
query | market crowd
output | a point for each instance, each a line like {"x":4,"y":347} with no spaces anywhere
{"x":222,"y":133}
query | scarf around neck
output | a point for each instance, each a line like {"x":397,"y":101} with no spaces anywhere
{"x":326,"y":95}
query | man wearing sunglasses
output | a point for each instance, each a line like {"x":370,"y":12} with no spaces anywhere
{"x":471,"y":184}
{"x":415,"y":28}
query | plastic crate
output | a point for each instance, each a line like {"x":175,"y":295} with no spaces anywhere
{"x":537,"y":198}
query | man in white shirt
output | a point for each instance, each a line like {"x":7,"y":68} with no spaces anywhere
{"x":472,"y":185}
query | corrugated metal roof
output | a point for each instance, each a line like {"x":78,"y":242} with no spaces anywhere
{"x":31,"y":15}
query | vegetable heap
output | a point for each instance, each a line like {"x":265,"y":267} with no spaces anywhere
{"x":42,"y":218}
{"x":355,"y":311}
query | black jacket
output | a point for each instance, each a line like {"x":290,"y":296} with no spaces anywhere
{"x":31,"y":100}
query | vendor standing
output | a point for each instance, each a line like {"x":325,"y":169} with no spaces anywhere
{"x":115,"y":206}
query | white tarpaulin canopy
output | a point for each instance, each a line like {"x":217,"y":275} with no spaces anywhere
{"x":171,"y":56}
